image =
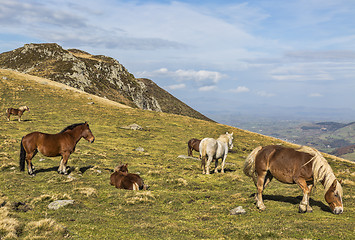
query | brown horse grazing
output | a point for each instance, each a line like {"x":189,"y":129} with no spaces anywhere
{"x":193,"y":144}
{"x":123,"y":180}
{"x":304,"y":166}
{"x":18,"y":112}
{"x":53,"y":145}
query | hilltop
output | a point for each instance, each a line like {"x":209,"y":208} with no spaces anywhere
{"x":95,"y":74}
{"x":181,"y":203}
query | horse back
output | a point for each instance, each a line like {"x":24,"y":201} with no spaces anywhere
{"x":285,"y":164}
{"x":50,"y":145}
{"x":208,"y":146}
{"x":123,"y":180}
{"x":12,"y":111}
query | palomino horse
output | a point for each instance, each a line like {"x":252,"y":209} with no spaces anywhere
{"x":123,"y":180}
{"x":53,"y":145}
{"x":18,"y":112}
{"x":193,"y":144}
{"x":211,"y":148}
{"x":304,"y":166}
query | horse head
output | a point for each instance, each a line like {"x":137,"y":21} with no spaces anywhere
{"x":87,"y":134}
{"x":334,"y":197}
{"x":122,"y":168}
{"x":230,"y":140}
{"x":24,"y":108}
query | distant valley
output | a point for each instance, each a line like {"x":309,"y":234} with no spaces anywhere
{"x":331,"y":137}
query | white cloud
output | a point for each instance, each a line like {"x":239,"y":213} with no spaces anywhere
{"x":206,"y":88}
{"x":265,"y":94}
{"x":303,"y":72}
{"x":200,"y":75}
{"x":240,"y":89}
{"x":315,"y":95}
{"x":176,"y":86}
{"x":185,"y":75}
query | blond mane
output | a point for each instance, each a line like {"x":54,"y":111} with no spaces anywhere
{"x":225,"y":138}
{"x":322,"y":172}
{"x":23,"y":108}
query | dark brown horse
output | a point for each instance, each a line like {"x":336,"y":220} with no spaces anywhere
{"x":193,"y":144}
{"x":53,"y":145}
{"x":304,"y":166}
{"x":18,"y":112}
{"x":123,"y":180}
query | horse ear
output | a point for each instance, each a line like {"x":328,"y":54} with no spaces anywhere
{"x":227,"y":133}
{"x":232,"y":133}
{"x":340,"y":181}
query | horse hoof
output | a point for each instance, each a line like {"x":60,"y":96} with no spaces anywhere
{"x":309,"y":209}
{"x":262,"y":208}
{"x":300,"y":210}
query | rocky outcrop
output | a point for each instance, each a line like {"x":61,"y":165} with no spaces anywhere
{"x":95,"y":74}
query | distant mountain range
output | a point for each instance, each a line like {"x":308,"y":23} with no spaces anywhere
{"x":331,"y":137}
{"x":95,"y":74}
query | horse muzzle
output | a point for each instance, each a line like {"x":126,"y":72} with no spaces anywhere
{"x":338,"y":210}
{"x":91,"y":140}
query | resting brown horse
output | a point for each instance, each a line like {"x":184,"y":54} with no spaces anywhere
{"x":18,"y":112}
{"x":193,"y":144}
{"x":123,"y":180}
{"x":53,"y":145}
{"x":304,"y":166}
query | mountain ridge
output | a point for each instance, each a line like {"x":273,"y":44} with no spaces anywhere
{"x":96,"y":74}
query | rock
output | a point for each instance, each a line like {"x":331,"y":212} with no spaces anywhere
{"x":59,"y":203}
{"x":133,"y":126}
{"x":238,"y":211}
{"x":139,"y":149}
{"x":187,"y":157}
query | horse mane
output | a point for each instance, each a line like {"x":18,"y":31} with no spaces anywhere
{"x":71,"y":127}
{"x":322,"y":172}
{"x":23,"y":108}
{"x":224,"y":138}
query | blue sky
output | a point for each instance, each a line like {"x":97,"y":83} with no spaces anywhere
{"x":213,"y":55}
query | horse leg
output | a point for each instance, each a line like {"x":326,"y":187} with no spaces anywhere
{"x":309,"y":208}
{"x":203,"y":164}
{"x":63,"y":164}
{"x":215,"y":166}
{"x":224,"y":162}
{"x":60,"y":168}
{"x":189,"y":151}
{"x":210,"y":158}
{"x":30,"y":166}
{"x":304,"y":204}
{"x":260,"y":187}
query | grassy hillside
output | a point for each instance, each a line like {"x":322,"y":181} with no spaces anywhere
{"x":181,"y":203}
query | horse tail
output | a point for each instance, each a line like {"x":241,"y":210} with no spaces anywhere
{"x":22,"y":157}
{"x":249,"y":164}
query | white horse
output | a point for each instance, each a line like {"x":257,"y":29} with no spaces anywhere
{"x":211,"y":148}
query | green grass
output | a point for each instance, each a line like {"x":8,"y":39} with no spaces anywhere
{"x":181,"y":203}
